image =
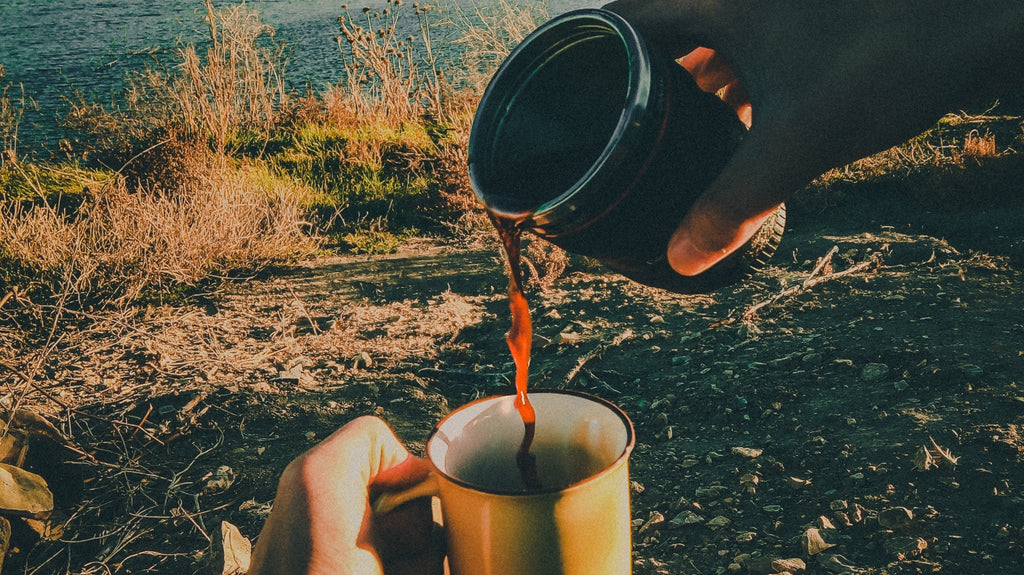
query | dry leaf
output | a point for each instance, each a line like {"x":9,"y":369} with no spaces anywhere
{"x":237,"y":550}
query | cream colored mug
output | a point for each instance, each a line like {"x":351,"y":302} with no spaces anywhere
{"x":576,"y":523}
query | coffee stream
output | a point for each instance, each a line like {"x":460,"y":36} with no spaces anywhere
{"x":520,"y":338}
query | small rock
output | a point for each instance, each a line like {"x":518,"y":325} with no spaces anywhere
{"x":824,"y":523}
{"x":688,"y":463}
{"x":746,"y":537}
{"x":895,"y":518}
{"x":770,"y":566}
{"x":748,"y":452}
{"x":711,"y":492}
{"x":219,"y":481}
{"x":835,"y":563}
{"x":686,"y":518}
{"x":794,"y":565}
{"x":719,"y":522}
{"x":843,"y":519}
{"x":905,"y":547}
{"x":874,"y":371}
{"x":901,"y":385}
{"x":838,"y":505}
{"x":798,"y":483}
{"x":655,"y":518}
{"x":23,"y":493}
{"x":812,"y":542}
{"x":772,"y":508}
{"x":566,"y":338}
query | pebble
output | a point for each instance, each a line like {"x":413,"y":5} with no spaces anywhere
{"x":904,"y":547}
{"x":748,"y":452}
{"x":770,"y":566}
{"x":719,"y":522}
{"x":798,"y":483}
{"x":686,"y":518}
{"x":712,"y":492}
{"x":746,"y":537}
{"x":772,"y":508}
{"x":838,"y":505}
{"x":835,"y":563}
{"x":812,"y":542}
{"x":874,"y":371}
{"x":895,"y":518}
{"x":655,"y":518}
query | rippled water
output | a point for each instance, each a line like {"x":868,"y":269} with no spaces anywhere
{"x":54,"y":47}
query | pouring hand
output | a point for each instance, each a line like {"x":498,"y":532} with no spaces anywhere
{"x":820,"y":85}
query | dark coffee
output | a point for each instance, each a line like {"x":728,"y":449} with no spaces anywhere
{"x":555,"y":467}
{"x":520,"y":340}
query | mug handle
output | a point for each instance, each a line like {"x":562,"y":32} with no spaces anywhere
{"x":386,"y":502}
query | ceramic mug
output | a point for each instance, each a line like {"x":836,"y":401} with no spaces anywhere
{"x":576,"y":523}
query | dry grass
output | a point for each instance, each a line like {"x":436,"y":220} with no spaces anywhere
{"x":121,"y":244}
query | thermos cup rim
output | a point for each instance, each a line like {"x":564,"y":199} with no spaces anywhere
{"x":540,"y":48}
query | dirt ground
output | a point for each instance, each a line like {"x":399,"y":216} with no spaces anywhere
{"x":869,"y":384}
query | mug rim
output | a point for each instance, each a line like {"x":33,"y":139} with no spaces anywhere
{"x":621,"y":459}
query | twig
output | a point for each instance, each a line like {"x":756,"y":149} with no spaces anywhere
{"x":594,"y":354}
{"x":302,"y":306}
{"x":945,"y":454}
{"x":6,"y":298}
{"x":813,"y":280}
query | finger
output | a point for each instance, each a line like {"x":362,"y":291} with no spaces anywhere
{"x":708,"y":69}
{"x":775,"y":160}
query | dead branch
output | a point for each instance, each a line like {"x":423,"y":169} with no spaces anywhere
{"x":813,"y":279}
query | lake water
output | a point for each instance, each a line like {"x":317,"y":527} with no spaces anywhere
{"x":54,"y":47}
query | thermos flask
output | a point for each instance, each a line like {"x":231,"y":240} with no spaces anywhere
{"x":589,"y":137}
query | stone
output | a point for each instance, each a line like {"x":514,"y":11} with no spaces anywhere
{"x":748,"y":452}
{"x":874,"y":371}
{"x":23,"y":493}
{"x":797,"y":483}
{"x":655,"y":518}
{"x":824,"y":523}
{"x":719,"y":522}
{"x":711,"y":492}
{"x":686,"y":518}
{"x":835,"y":563}
{"x":838,"y":505}
{"x":770,"y":566}
{"x":895,"y":518}
{"x":813,"y":543}
{"x":746,"y":537}
{"x":905,"y":547}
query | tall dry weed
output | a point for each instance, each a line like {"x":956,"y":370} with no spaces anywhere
{"x":13,"y":103}
{"x":229,"y":97}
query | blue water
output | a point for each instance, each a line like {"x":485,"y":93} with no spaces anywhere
{"x":56,"y":48}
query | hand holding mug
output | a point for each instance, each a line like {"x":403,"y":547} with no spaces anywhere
{"x":322,"y":522}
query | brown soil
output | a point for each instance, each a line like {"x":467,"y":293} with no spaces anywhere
{"x":889,"y":326}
